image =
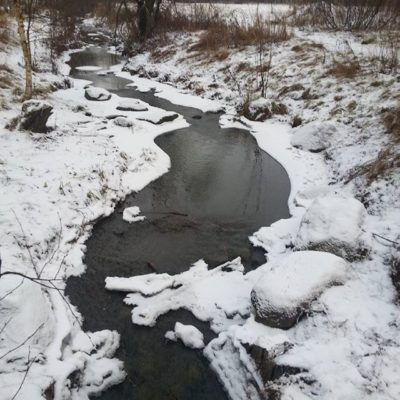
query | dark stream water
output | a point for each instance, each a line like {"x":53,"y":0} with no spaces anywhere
{"x":220,"y":189}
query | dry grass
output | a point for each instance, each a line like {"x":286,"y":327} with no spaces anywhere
{"x":293,"y":88}
{"x":349,"y":69}
{"x":218,"y":33}
{"x":6,"y":78}
{"x":4,"y":28}
{"x":387,"y":161}
{"x":391,"y":121}
{"x":236,"y":35}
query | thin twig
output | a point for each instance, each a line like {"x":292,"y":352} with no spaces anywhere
{"x":25,"y":237}
{"x":12,"y":290}
{"x":57,"y":247}
{"x":30,"y":363}
{"x":21,"y":344}
{"x":388,"y":240}
{"x":5,"y":325}
{"x":39,"y":281}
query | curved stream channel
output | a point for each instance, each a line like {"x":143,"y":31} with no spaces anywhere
{"x":220,"y":189}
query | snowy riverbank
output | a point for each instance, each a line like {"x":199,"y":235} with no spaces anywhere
{"x":56,"y":185}
{"x":347,"y":345}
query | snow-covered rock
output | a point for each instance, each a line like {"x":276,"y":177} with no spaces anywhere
{"x":131,"y":214}
{"x":158,"y":117}
{"x":131,"y":105}
{"x":285,"y":291}
{"x":97,"y":94}
{"x":123,"y":122}
{"x":314,"y":137}
{"x":34,"y":116}
{"x":259,"y":110}
{"x":334,"y":225}
{"x":188,"y":334}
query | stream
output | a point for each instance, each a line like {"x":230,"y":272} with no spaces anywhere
{"x":220,"y":189}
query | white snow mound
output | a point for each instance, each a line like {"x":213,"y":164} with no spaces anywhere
{"x":131,"y":214}
{"x":335,"y":225}
{"x":291,"y":283}
{"x":97,"y":94}
{"x":314,"y":136}
{"x":131,"y":105}
{"x":188,"y":334}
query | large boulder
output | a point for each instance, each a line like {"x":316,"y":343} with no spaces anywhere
{"x":314,"y":137}
{"x":97,"y":94}
{"x":334,"y":225}
{"x":285,"y":291}
{"x":34,"y":116}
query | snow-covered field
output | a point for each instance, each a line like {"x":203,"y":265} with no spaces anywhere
{"x":241,"y":12}
{"x":343,"y":340}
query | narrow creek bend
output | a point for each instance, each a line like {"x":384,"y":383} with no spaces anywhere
{"x":220,"y":189}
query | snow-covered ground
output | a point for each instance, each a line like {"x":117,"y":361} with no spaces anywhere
{"x":240,"y":12}
{"x":346,"y":344}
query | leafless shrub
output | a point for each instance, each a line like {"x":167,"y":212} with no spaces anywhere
{"x":234,"y":35}
{"x":347,"y":14}
{"x":387,"y":54}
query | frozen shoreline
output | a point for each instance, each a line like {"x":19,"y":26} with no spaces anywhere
{"x":349,"y":343}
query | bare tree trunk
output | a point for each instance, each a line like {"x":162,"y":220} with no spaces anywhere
{"x":25,"y":49}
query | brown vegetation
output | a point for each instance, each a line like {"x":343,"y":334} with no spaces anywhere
{"x":387,"y":161}
{"x":236,"y":35}
{"x":347,"y":69}
{"x":391,"y":121}
{"x":4,"y":28}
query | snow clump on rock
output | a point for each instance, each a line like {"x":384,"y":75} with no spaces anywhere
{"x":188,"y":334}
{"x":334,"y":225}
{"x":97,"y":94}
{"x":131,"y":105}
{"x":284,"y":292}
{"x":314,"y":137}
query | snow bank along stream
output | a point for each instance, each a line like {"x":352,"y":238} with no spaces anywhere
{"x":221,"y":188}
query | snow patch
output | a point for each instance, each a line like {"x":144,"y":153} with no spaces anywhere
{"x":188,"y":334}
{"x":314,"y":137}
{"x":131,"y":214}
